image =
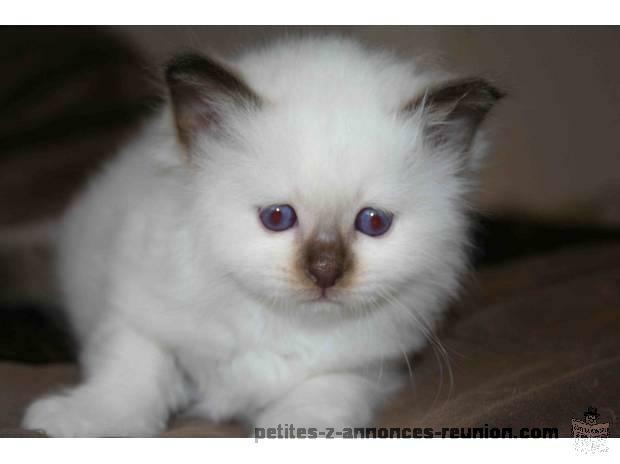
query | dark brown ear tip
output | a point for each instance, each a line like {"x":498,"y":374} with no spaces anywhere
{"x":472,"y":92}
{"x":184,"y":64}
{"x":195,"y":70}
{"x":494,"y":92}
{"x":481,"y":87}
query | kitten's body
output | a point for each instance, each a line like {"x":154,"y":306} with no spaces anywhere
{"x":183,"y":301}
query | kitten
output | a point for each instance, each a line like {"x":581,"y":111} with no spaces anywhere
{"x":287,"y":225}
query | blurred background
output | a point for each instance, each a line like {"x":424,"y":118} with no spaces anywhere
{"x":70,"y":96}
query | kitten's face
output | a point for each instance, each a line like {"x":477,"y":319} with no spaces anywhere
{"x":335,"y":193}
{"x":329,"y":172}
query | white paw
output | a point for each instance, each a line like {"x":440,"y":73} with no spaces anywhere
{"x":78,"y":415}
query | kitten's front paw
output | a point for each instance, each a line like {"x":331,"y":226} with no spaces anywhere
{"x":76,"y":415}
{"x":58,"y":416}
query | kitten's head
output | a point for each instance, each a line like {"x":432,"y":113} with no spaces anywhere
{"x":326,"y":175}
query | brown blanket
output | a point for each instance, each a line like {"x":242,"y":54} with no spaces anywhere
{"x":532,"y":344}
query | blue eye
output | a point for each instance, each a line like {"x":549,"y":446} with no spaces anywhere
{"x":278,"y":217}
{"x":373,"y":222}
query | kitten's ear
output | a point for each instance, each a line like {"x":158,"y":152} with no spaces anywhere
{"x":202,"y":92}
{"x":452,"y":111}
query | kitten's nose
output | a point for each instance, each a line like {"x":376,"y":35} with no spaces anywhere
{"x":324,"y":269}
{"x":326,"y":259}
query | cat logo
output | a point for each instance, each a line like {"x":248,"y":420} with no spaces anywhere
{"x":590,"y":436}
{"x":588,"y":428}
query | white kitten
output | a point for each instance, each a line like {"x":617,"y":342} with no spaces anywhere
{"x":269,"y":242}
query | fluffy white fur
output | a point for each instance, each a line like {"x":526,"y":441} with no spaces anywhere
{"x":183,"y":301}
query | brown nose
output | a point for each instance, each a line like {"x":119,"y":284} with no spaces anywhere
{"x":325,"y":260}
{"x":324,"y":269}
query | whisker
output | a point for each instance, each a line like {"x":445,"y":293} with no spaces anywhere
{"x":439,"y":350}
